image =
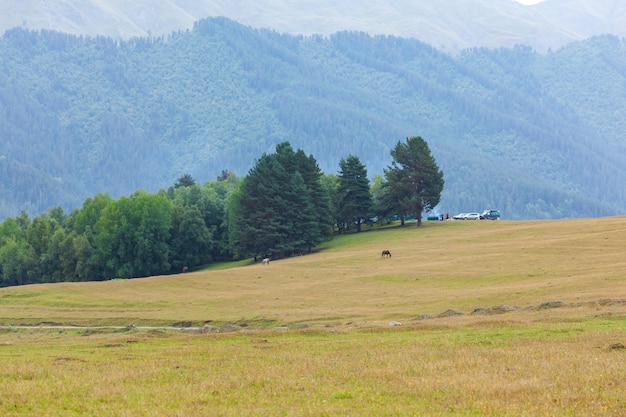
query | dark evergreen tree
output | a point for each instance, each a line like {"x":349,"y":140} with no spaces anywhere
{"x":312,"y":176}
{"x":280,"y":208}
{"x":309,"y":204}
{"x":185,"y":180}
{"x":261,"y":224}
{"x":224,"y":175}
{"x":354,"y":192}
{"x":304,"y":229}
{"x":415,"y":181}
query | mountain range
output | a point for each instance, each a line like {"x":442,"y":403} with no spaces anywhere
{"x":449,"y":25}
{"x":534,"y":134}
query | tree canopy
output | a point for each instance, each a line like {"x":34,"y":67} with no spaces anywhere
{"x":140,"y":235}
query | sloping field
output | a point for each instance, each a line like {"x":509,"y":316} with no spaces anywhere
{"x":454,"y":265}
{"x":467,"y":318}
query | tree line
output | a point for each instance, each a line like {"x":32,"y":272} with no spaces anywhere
{"x":285,"y":206}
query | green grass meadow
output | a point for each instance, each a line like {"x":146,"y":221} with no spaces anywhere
{"x":467,"y":318}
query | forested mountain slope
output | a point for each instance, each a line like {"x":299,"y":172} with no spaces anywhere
{"x":536,"y":136}
{"x":450,"y":25}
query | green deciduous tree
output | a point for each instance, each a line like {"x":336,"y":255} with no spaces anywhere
{"x":414,"y":179}
{"x":218,"y":194}
{"x":191,"y":239}
{"x":16,"y":254}
{"x":44,"y":265}
{"x":152,"y":252}
{"x":86,"y":267}
{"x":131,"y":236}
{"x":10,"y":229}
{"x":89,"y":214}
{"x":16,"y":259}
{"x":384,"y":207}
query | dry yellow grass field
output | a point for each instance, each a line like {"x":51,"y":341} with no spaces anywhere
{"x":491,"y":318}
{"x":444,"y":265}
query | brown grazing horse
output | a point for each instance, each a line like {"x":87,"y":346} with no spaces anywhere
{"x":386,"y":253}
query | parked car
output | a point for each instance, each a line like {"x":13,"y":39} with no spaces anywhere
{"x":490,"y":215}
{"x":460,"y":216}
{"x":472,"y":216}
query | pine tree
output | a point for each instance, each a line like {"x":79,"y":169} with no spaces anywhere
{"x":312,"y":176}
{"x":261,"y":224}
{"x":354,"y":190}
{"x":415,"y":181}
{"x":280,"y":207}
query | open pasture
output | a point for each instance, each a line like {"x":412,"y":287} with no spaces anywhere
{"x":470,"y":318}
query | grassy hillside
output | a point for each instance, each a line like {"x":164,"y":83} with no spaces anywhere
{"x":459,"y":265}
{"x":311,"y":336}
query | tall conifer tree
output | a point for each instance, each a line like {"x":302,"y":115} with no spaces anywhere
{"x":354,"y":191}
{"x":278,"y":211}
{"x":415,"y":181}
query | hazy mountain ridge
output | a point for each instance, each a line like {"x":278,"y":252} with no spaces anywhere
{"x":451,"y":25}
{"x":510,"y":128}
